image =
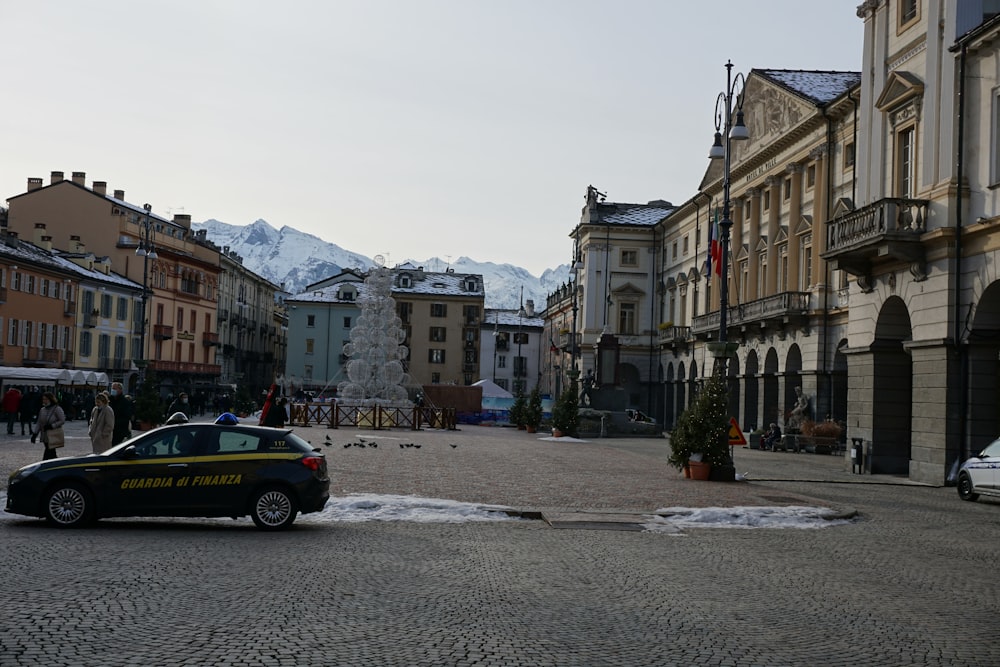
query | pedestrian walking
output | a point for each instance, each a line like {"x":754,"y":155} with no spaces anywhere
{"x":180,"y":404}
{"x":102,"y":424}
{"x":50,"y":417}
{"x":11,"y":407}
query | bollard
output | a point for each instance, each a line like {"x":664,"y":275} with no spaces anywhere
{"x":857,"y":455}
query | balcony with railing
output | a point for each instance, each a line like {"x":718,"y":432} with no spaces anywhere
{"x":779,"y":309}
{"x":887,"y":230}
{"x":163,"y":331}
{"x":90,"y":320}
{"x":69,"y":308}
{"x":675,"y":335}
{"x":209,"y":338}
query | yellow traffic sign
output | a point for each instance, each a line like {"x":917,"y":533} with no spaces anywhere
{"x":736,"y":437}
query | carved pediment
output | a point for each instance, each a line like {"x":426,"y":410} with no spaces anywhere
{"x":782,"y":236}
{"x":627,"y":290}
{"x":805,"y":225}
{"x":842,"y":207}
{"x":899,"y":88}
{"x":761,"y":244}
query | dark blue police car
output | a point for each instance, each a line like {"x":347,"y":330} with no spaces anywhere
{"x":185,"y":470}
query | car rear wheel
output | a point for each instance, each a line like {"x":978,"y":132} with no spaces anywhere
{"x":965,"y":488}
{"x":69,"y":505}
{"x":273,"y":509}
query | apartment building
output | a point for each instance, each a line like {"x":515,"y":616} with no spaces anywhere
{"x":513,"y":345}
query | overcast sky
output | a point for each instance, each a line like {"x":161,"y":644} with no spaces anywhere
{"x":409,"y":129}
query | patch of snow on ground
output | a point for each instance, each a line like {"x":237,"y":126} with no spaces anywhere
{"x":671,"y":519}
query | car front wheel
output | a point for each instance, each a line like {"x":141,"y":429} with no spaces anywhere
{"x":68,"y":505}
{"x":965,"y":488}
{"x":273,"y":509}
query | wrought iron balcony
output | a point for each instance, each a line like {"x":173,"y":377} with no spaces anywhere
{"x":674,"y":335}
{"x":887,"y":230}
{"x":185,"y":367}
{"x":778,"y":308}
{"x":209,"y":338}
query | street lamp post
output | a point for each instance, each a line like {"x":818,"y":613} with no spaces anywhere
{"x":147,"y":251}
{"x":520,"y":337}
{"x":496,"y":341}
{"x":734,"y":132}
{"x":574,"y":277}
{"x":735,"y":87}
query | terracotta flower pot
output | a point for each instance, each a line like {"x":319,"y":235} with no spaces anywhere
{"x":699,"y":470}
{"x":531,"y":429}
{"x":687,"y":472}
{"x":556,"y":433}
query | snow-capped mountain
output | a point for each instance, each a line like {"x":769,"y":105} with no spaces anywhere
{"x":296,"y":259}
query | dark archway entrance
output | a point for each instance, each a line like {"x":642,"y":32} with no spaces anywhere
{"x":892,"y":391}
{"x":838,"y":388}
{"x":733,"y":386}
{"x":752,"y":395}
{"x":772,"y":411}
{"x":793,"y":377}
{"x":984,"y":371}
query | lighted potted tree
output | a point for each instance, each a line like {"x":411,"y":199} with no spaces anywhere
{"x":698,"y":441}
{"x":533,"y":411}
{"x":565,"y":413}
{"x":148,"y":408}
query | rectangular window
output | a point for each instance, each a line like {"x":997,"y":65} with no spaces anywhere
{"x":122,"y":314}
{"x":471,"y":357}
{"x":904,"y":163}
{"x":435,"y":378}
{"x":673,"y":250}
{"x":307,"y":371}
{"x":502,"y":383}
{"x":435,"y":356}
{"x":119,"y":349}
{"x":502,"y":361}
{"x":626,"y":319}
{"x":310,"y":320}
{"x":15,"y":281}
{"x":43,"y":334}
{"x":180,"y":319}
{"x":439,"y":310}
{"x":631,"y":257}
{"x":438,"y":334}
{"x":520,"y":366}
{"x":767,"y":200}
{"x":470,"y":314}
{"x":811,"y":176}
{"x":521,"y":338}
{"x":404,"y":309}
{"x":849,"y":156}
{"x":909,"y":13}
{"x":310,"y":345}
{"x":807,"y":264}
{"x":347,"y":323}
{"x":30,"y":289}
{"x":56,"y":290}
{"x":193,"y":320}
{"x":85,"y":343}
{"x":786,"y":191}
{"x":783,"y":269}
{"x":105,"y":306}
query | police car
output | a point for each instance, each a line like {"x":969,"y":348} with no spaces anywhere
{"x":187,"y":470}
{"x":981,"y":474}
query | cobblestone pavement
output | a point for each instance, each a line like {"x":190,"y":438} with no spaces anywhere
{"x":911,"y":582}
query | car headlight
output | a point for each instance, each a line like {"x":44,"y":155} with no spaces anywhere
{"x":21,"y":473}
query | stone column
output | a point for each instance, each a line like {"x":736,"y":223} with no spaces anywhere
{"x":753,"y":237}
{"x":794,"y":215}
{"x":773,"y":184}
{"x":821,"y":212}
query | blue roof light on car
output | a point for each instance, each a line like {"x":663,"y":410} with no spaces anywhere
{"x":227,"y":418}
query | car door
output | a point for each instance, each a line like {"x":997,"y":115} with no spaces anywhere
{"x":985,"y":468}
{"x":150,"y":477}
{"x":227,"y":468}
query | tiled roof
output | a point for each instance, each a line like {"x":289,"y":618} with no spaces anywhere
{"x":820,"y":87}
{"x":509,"y":318}
{"x":28,"y":252}
{"x":631,"y":214}
{"x":444,"y":284}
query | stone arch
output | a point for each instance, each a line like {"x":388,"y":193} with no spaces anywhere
{"x":751,"y":399}
{"x":772,"y":410}
{"x":629,"y":379}
{"x":669,"y":398}
{"x":984,"y":370}
{"x":892,"y":390}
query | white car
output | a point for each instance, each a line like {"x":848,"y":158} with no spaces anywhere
{"x":980,"y":475}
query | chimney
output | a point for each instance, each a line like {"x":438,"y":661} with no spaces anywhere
{"x":45,"y":242}
{"x":100,"y":188}
{"x":103,"y":265}
{"x":80,"y":177}
{"x":183,"y":219}
{"x":10,"y":238}
{"x":57,"y":177}
{"x":39,"y":232}
{"x":529,"y":307}
{"x":76,"y":245}
{"x":34,"y":184}
{"x":120,"y":194}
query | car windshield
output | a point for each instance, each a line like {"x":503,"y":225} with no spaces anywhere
{"x":992,"y":450}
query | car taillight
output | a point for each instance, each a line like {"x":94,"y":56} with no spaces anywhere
{"x":314,"y":463}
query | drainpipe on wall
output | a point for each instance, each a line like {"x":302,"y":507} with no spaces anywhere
{"x":653,"y":328}
{"x":962,"y":350}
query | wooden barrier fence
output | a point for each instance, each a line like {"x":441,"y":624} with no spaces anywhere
{"x":377,"y":417}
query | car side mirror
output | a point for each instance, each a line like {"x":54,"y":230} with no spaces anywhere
{"x":129,"y":452}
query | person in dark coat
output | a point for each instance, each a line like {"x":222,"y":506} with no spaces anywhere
{"x":31,"y":403}
{"x":180,"y":404}
{"x":276,"y":415}
{"x":123,"y":408}
{"x":11,"y":407}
